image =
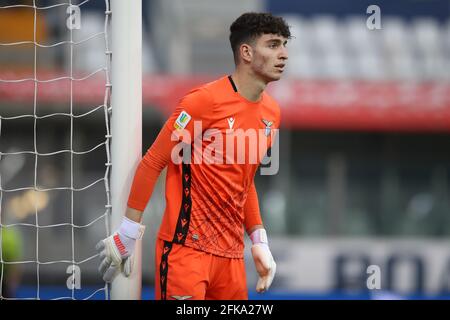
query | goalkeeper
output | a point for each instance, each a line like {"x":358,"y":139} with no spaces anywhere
{"x":209,"y":203}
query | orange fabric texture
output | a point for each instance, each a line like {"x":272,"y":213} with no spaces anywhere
{"x":187,"y":273}
{"x":208,"y":203}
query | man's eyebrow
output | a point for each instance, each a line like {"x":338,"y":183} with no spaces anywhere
{"x":274,"y":40}
{"x":277,"y":40}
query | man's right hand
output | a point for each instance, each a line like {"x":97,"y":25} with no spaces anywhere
{"x":116,"y":250}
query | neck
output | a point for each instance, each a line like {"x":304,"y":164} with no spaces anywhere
{"x":249,"y":86}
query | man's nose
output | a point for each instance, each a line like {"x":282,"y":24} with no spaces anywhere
{"x":284,"y":53}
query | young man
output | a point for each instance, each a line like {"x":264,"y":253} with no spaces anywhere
{"x":211,"y":196}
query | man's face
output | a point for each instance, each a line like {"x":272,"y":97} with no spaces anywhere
{"x":269,"y":56}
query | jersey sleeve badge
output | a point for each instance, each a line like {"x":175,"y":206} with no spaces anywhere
{"x":182,"y":121}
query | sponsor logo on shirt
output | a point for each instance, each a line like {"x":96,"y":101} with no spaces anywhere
{"x":231,"y":122}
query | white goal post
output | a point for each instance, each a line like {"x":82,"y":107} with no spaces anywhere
{"x":126,"y":125}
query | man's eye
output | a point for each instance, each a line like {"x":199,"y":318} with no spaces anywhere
{"x":273,"y":45}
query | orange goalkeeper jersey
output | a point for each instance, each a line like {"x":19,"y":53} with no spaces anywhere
{"x":210,"y":196}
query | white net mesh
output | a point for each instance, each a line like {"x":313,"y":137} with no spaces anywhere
{"x":57,"y":243}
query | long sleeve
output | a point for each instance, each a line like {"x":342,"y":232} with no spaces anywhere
{"x":252,"y":215}
{"x":149,"y":169}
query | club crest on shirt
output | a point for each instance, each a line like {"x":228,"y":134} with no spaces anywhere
{"x":268,"y":126}
{"x":182,"y":120}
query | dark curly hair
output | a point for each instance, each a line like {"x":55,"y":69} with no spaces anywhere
{"x":251,"y":25}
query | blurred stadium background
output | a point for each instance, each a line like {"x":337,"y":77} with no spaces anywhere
{"x":364,"y":147}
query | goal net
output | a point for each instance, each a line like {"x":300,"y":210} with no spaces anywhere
{"x":56,"y":146}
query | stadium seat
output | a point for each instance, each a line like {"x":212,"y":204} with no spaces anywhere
{"x":427,"y":36}
{"x":400,"y":52}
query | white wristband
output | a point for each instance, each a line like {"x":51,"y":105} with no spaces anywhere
{"x":259,"y":236}
{"x":131,"y":229}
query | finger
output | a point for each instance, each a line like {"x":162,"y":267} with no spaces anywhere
{"x":110,"y":273}
{"x":269,"y":280}
{"x":261,"y":285}
{"x":273,"y":270}
{"x":106,"y":263}
{"x":262,"y":259}
{"x":128,"y":266}
{"x":266,"y":258}
{"x":102,"y":255}
{"x":100,"y":246}
{"x":265,"y":282}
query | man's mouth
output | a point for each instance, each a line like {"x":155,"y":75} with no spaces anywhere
{"x":280,"y":66}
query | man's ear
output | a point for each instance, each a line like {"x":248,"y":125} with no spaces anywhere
{"x":246,"y":52}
